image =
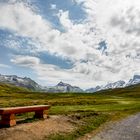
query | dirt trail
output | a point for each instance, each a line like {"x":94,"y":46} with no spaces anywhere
{"x":126,"y":129}
{"x":37,"y":130}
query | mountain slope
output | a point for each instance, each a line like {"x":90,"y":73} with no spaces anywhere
{"x":134,"y":80}
{"x":130,"y":91}
{"x":90,"y":90}
{"x":64,"y":87}
{"x":118,"y":84}
{"x":9,"y":88}
{"x":19,"y":81}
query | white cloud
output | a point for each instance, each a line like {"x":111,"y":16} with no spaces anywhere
{"x":118,"y":24}
{"x":53,"y":6}
{"x":51,"y":74}
{"x":115,"y":22}
{"x":21,"y":19}
{"x":4,"y":66}
{"x":64,"y":19}
{"x":28,"y":61}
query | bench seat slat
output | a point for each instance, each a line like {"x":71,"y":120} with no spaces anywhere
{"x":16,"y":110}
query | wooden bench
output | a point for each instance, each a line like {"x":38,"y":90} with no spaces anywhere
{"x":8,"y":114}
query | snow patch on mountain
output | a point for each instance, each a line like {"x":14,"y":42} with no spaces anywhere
{"x":64,"y":87}
{"x":118,"y":84}
{"x":135,"y":80}
{"x":19,"y":81}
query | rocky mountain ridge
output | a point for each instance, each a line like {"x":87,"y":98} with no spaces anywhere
{"x":62,"y":87}
{"x":118,"y":84}
{"x":19,"y":81}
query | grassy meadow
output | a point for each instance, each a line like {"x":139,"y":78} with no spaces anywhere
{"x":88,"y":111}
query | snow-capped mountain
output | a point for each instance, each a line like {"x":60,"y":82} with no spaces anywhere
{"x":64,"y":87}
{"x":118,"y":84}
{"x":19,"y":81}
{"x":135,"y":80}
{"x":30,"y":84}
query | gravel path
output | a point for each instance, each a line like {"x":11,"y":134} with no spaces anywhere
{"x":126,"y":129}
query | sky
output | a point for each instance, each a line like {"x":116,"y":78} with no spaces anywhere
{"x":80,"y":42}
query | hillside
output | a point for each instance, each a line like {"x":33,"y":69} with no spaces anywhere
{"x":130,"y":91}
{"x":9,"y":88}
{"x":20,"y":82}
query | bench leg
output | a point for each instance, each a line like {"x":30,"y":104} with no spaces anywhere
{"x":39,"y":114}
{"x":8,"y":120}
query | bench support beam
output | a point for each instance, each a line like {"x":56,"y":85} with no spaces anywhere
{"x":39,"y":114}
{"x":8,"y":120}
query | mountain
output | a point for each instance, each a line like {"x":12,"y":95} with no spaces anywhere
{"x":118,"y":84}
{"x":32,"y":85}
{"x":135,"y":80}
{"x":19,"y":81}
{"x":64,"y":87}
{"x":90,"y":90}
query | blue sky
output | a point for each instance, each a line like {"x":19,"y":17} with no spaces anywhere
{"x":76,"y":41}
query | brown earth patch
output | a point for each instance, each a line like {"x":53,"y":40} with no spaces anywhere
{"x":38,"y":130}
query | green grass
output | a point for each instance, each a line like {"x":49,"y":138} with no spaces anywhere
{"x":88,"y":121}
{"x":93,"y":109}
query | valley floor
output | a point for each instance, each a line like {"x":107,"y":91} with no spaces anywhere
{"x":74,"y":115}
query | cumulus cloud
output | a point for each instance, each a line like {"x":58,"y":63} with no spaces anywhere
{"x":22,"y":20}
{"x":25,"y":60}
{"x":51,"y":74}
{"x":128,"y":22}
{"x":118,"y":23}
{"x":115,"y":23}
{"x":4,"y":66}
{"x":25,"y":22}
{"x":53,"y":6}
{"x":64,"y":19}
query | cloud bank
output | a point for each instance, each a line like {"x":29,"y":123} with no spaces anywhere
{"x":116,"y":23}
